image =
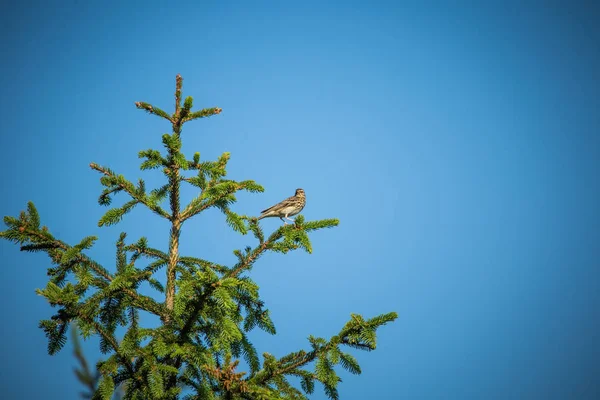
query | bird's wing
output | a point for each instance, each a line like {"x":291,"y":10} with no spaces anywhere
{"x":287,"y":202}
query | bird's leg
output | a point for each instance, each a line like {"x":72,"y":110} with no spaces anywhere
{"x":281,"y":218}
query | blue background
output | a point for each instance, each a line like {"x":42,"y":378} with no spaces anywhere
{"x":458,"y":145}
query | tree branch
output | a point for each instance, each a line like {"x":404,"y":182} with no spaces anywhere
{"x":307,"y":358}
{"x":207,"y":112}
{"x":142,"y":199}
{"x":142,"y":302}
{"x":250,"y":259}
{"x":153,"y":110}
{"x":112,"y":341}
{"x":147,"y":251}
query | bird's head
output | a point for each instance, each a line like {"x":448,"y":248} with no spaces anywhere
{"x":300,"y":192}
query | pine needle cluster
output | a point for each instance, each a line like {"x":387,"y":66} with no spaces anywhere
{"x":206,"y":309}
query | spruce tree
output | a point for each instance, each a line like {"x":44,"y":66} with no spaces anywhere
{"x":206,"y":309}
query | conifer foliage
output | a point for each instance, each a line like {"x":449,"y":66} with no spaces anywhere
{"x":206,"y":309}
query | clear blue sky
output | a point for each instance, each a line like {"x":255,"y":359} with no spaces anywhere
{"x":458,"y":145}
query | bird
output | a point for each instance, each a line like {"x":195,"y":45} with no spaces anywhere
{"x":288,"y":207}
